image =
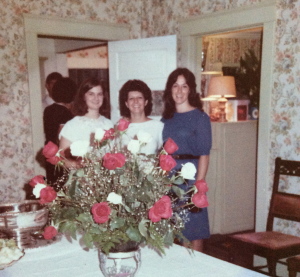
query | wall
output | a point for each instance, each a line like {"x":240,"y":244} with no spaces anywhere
{"x":16,"y":165}
{"x":146,"y":18}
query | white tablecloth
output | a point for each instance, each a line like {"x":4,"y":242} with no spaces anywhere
{"x":68,"y":259}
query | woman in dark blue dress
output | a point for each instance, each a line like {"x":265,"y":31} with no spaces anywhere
{"x":189,"y":126}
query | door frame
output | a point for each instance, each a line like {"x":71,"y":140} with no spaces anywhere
{"x":52,"y":26}
{"x":258,"y":15}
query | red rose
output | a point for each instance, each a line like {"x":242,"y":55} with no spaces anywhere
{"x":109,"y":134}
{"x":161,"y":209}
{"x":123,"y":124}
{"x":112,"y":161}
{"x":170,"y":146}
{"x":200,"y":200}
{"x":54,"y":160}
{"x":101,"y":212}
{"x":49,"y":232}
{"x":201,"y":186}
{"x":166,"y":162}
{"x":50,"y":150}
{"x":47,"y":195}
{"x":39,"y":179}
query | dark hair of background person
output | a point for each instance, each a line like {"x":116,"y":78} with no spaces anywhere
{"x":193,"y":97}
{"x":79,"y":105}
{"x":53,"y":76}
{"x":134,"y":85}
{"x":64,"y":90}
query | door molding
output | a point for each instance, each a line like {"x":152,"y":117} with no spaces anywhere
{"x":52,"y":26}
{"x":258,"y":15}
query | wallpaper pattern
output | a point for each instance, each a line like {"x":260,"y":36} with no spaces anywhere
{"x":146,"y":19}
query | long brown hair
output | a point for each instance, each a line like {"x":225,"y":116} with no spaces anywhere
{"x":193,"y":97}
{"x":80,"y":107}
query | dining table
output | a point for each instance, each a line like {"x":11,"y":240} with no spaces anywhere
{"x":66,"y":258}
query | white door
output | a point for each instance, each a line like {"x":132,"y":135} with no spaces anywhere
{"x":150,"y":60}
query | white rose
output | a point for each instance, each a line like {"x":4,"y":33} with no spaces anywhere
{"x":133,"y":146}
{"x":37,"y":189}
{"x":114,"y":198}
{"x":80,"y":148}
{"x":144,"y":137}
{"x":99,"y":134}
{"x":188,"y":171}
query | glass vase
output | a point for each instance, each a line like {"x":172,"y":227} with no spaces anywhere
{"x":120,"y":264}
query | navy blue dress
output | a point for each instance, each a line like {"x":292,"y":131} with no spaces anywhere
{"x":191,"y":131}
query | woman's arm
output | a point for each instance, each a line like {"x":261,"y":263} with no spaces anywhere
{"x":70,"y":162}
{"x":202,"y":167}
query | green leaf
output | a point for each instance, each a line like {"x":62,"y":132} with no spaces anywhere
{"x":117,"y":223}
{"x":169,"y":238}
{"x":68,"y":227}
{"x":143,"y":228}
{"x":133,"y":234}
{"x":178,"y":191}
{"x":83,"y":217}
{"x":88,"y":240}
{"x":80,"y":173}
{"x":150,"y":178}
{"x":178,"y":181}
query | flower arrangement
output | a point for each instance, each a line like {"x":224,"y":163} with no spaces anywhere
{"x":9,"y":252}
{"x":118,"y":194}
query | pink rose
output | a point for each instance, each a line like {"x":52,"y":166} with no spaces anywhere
{"x":47,"y":195}
{"x":50,"y":150}
{"x":54,"y":160}
{"x":201,"y":186}
{"x":109,"y":134}
{"x":166,"y":162}
{"x":101,"y":212}
{"x":39,"y":179}
{"x":200,"y":200}
{"x":170,"y":146}
{"x":123,"y":124}
{"x":49,"y":232}
{"x":112,"y":161}
{"x":161,"y":209}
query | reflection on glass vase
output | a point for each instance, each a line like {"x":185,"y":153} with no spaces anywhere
{"x":119,"y":264}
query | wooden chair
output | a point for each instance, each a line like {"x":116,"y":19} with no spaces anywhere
{"x":293,"y":266}
{"x":270,"y":244}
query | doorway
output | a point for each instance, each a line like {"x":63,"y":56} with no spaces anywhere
{"x":36,"y":26}
{"x":260,"y":15}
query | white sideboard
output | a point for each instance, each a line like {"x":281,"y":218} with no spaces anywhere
{"x":231,"y":177}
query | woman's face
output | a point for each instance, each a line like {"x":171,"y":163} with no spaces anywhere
{"x":136,"y":102}
{"x":180,"y":91}
{"x":94,"y":98}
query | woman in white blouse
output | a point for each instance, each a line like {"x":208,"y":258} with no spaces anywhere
{"x":135,"y":101}
{"x":91,"y":106}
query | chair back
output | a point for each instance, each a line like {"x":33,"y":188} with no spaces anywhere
{"x":284,"y":205}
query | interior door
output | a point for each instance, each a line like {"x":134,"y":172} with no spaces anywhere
{"x":150,"y":60}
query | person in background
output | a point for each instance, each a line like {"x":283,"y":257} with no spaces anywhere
{"x":56,"y":115}
{"x":91,"y":109}
{"x":50,"y":81}
{"x":135,"y":101}
{"x":189,"y":126}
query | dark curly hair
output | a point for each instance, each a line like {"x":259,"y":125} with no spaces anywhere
{"x":193,"y":97}
{"x":64,"y":90}
{"x":80,"y":107}
{"x":134,"y":85}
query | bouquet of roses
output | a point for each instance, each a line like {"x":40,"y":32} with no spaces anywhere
{"x":118,"y":194}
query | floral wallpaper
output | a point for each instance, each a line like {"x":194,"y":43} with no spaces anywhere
{"x":146,"y":19}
